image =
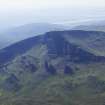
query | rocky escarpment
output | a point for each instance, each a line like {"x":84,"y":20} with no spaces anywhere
{"x":58,"y":46}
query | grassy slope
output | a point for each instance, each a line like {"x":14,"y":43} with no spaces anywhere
{"x":60,"y":89}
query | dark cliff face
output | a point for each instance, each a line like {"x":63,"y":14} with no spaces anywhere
{"x":58,"y":46}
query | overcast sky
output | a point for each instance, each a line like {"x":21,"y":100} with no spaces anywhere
{"x":17,"y":12}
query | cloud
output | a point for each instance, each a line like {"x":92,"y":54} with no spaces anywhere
{"x":25,"y":11}
{"x":49,"y":3}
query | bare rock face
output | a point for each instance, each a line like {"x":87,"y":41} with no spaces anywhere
{"x":50,"y":68}
{"x":58,"y":45}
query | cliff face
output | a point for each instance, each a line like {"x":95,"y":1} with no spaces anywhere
{"x":58,"y":45}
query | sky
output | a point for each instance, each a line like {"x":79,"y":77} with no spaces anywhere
{"x":19,"y":12}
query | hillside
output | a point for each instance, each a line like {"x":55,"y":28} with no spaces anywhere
{"x":91,"y":26}
{"x":19,"y":33}
{"x":57,"y":68}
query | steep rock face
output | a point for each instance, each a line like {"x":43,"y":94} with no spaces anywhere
{"x":50,"y":68}
{"x":58,"y":45}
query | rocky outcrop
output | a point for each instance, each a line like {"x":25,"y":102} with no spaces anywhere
{"x":28,"y":63}
{"x":68,"y":70}
{"x":50,"y":68}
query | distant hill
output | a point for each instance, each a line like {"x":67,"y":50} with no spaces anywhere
{"x":91,"y":26}
{"x":16,"y":34}
{"x":56,"y":68}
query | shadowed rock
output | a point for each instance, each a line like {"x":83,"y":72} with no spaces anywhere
{"x":50,"y":68}
{"x":68,"y":70}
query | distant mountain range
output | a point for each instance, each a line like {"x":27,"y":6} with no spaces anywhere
{"x":56,"y":68}
{"x":16,"y":34}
